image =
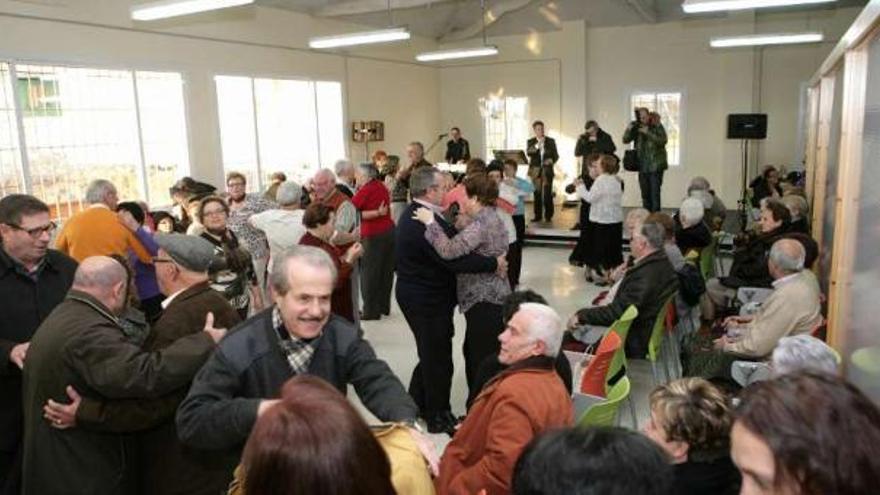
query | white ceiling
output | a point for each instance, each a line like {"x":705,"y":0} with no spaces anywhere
{"x":439,"y":18}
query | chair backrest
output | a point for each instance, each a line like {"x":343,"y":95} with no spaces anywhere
{"x":707,"y":259}
{"x":595,"y":375}
{"x":621,"y":328}
{"x":656,"y":339}
{"x":603,"y":413}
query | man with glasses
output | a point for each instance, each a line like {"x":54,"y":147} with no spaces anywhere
{"x":33,"y":280}
{"x":426,"y":294}
{"x":97,"y":230}
{"x":165,"y":465}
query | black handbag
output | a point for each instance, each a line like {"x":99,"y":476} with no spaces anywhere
{"x":631,"y":161}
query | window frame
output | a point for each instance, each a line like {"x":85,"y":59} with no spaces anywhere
{"x":141,"y":172}
{"x":505,"y":99}
{"x":253,"y":77}
{"x":682,"y":110}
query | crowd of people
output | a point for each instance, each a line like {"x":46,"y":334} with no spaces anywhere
{"x":209,"y":348}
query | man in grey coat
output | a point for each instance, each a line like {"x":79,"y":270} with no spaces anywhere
{"x":298,"y":335}
{"x":82,"y":344}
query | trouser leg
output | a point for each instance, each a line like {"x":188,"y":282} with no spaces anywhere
{"x":645,"y":188}
{"x":432,"y":377}
{"x":538,"y":195}
{"x":548,"y":198}
{"x":484,"y":325}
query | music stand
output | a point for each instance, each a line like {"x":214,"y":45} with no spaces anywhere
{"x":518,"y":156}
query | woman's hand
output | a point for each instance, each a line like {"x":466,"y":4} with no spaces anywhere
{"x":424,"y":215}
{"x":382,"y":211}
{"x":354,"y":253}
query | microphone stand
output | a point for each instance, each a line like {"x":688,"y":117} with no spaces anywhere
{"x":441,"y":137}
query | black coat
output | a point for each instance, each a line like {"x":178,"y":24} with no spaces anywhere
{"x":249,"y":366}
{"x":749,"y":268}
{"x":24,"y":304}
{"x":166,"y":466}
{"x":550,"y":153}
{"x":421,"y":272}
{"x":456,"y":152}
{"x":695,"y":237}
{"x":81,"y":344}
{"x":647,"y":285}
{"x":603,"y":144}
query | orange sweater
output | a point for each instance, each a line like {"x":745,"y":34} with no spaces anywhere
{"x":96,"y":231}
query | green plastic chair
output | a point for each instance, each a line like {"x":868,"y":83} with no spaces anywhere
{"x":655,"y":343}
{"x":618,"y":362}
{"x":603,"y":413}
{"x":707,"y":259}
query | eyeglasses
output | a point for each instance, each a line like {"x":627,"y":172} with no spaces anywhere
{"x":157,"y":259}
{"x":235,"y":184}
{"x":36,"y":232}
{"x":213,"y":213}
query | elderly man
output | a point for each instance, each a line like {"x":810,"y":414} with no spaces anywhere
{"x":426,"y":294}
{"x":345,"y":181}
{"x":324,"y":191}
{"x":646,"y":285}
{"x":97,"y":231}
{"x":33,"y":280}
{"x":793,"y":354}
{"x":298,"y":335}
{"x":514,"y":407}
{"x":166,"y":466}
{"x":415,"y":152}
{"x":82,"y":344}
{"x":793,"y":307}
{"x":283,"y":226}
{"x":242,"y":207}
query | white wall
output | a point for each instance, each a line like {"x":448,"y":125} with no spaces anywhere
{"x":251,"y":41}
{"x":600,"y":67}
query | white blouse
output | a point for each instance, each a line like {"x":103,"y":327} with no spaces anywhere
{"x":605,"y":198}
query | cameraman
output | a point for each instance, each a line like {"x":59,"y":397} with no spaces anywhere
{"x":650,"y":145}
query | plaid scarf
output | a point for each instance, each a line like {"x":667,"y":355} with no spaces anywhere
{"x":298,"y":351}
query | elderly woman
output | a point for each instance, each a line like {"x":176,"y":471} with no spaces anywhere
{"x":320,"y":224}
{"x":790,"y":437}
{"x":232,"y":272}
{"x":604,"y":250}
{"x":691,"y":420}
{"x":766,"y":186}
{"x":716,"y":211}
{"x":377,"y":236}
{"x":241,"y":207}
{"x":691,"y":233}
{"x":800,"y":210}
{"x":480,"y":295}
{"x":792,"y":354}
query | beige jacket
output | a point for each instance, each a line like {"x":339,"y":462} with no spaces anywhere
{"x":793,"y":308}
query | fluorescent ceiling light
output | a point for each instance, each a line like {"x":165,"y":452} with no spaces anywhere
{"x":172,"y":8}
{"x":482,"y":51}
{"x":362,"y":38}
{"x":766,"y":39}
{"x":698,"y":6}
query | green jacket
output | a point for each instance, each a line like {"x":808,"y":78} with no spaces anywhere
{"x":81,"y":344}
{"x":650,"y":147}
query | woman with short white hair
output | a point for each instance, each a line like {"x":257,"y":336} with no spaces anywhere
{"x":691,"y":233}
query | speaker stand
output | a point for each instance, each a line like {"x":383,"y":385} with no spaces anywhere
{"x":744,"y":206}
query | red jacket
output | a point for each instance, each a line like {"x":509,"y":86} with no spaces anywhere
{"x":369,"y":197}
{"x":514,"y":407}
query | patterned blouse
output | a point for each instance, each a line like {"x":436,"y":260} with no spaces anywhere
{"x":485,"y":236}
{"x":253,"y":239}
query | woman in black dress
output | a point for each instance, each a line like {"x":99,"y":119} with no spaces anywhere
{"x":578,"y":256}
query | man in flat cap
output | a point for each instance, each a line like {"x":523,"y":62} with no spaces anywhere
{"x":165,"y":466}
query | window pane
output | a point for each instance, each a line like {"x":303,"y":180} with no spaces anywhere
{"x":80,"y":125}
{"x":330,"y":122}
{"x":517,"y":122}
{"x":287,"y":126}
{"x":494,"y":122}
{"x":11,"y":180}
{"x":163,"y":132}
{"x":238,"y":143}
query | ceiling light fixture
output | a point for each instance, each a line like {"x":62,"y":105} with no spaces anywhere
{"x":766,"y":39}
{"x":360,"y":38}
{"x":699,"y":6}
{"x":173,"y":8}
{"x":482,"y":51}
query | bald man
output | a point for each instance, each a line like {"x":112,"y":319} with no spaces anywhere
{"x":81,"y":344}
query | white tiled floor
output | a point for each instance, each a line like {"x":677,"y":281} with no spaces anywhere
{"x":546,"y":271}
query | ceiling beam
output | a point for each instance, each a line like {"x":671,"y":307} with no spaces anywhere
{"x":645,"y":9}
{"x":354,"y":7}
{"x":493,"y":13}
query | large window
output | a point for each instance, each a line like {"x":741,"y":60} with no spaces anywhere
{"x":505,"y":123}
{"x":81,"y":124}
{"x":669,"y":106}
{"x":279,"y":125}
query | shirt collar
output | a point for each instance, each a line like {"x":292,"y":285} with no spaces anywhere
{"x":169,"y":299}
{"x":427,"y":204}
{"x":784,"y":280}
{"x":13,"y":264}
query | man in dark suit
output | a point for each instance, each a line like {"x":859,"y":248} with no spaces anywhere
{"x":33,"y":280}
{"x":166,"y":466}
{"x":426,"y":294}
{"x":542,"y":157}
{"x":458,"y":150}
{"x":646,"y":285}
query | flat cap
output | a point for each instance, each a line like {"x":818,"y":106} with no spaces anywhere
{"x":190,"y":252}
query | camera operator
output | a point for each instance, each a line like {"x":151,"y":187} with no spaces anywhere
{"x":649,"y":137}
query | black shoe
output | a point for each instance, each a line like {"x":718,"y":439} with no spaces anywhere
{"x":443,"y":422}
{"x":536,"y":219}
{"x":369,"y":317}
